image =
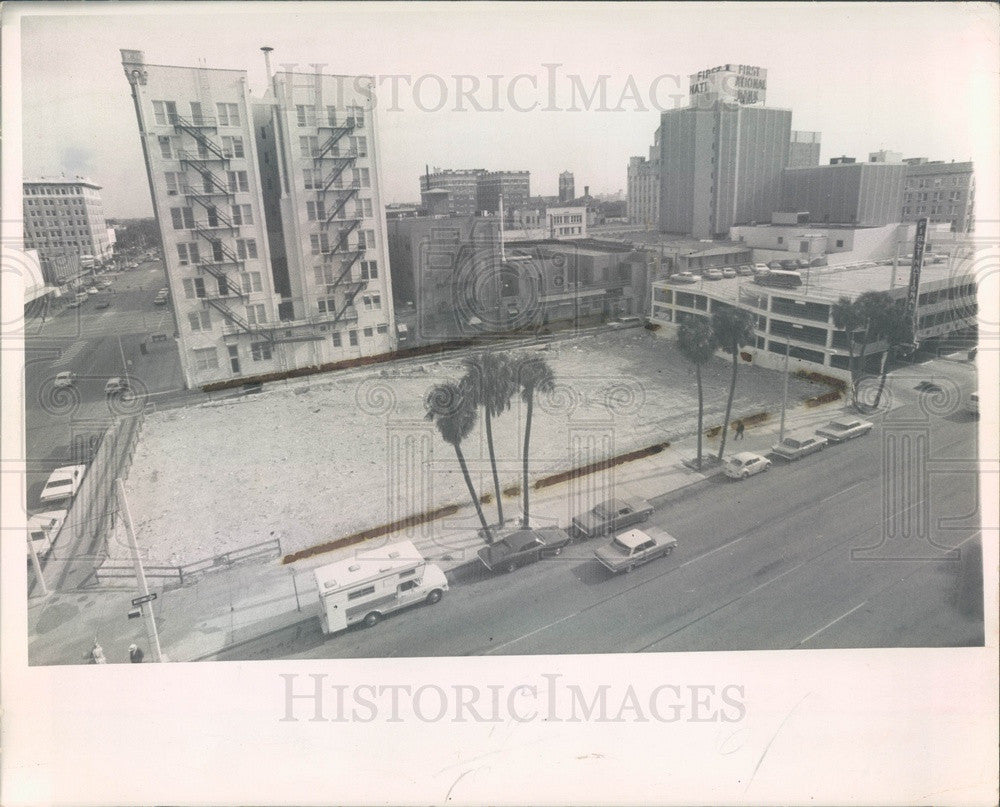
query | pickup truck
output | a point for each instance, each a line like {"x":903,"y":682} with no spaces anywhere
{"x":634,"y":547}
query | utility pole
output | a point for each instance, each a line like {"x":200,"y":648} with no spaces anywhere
{"x":147,"y":606}
{"x":124,"y":364}
{"x":38,"y":568}
{"x":784,"y":392}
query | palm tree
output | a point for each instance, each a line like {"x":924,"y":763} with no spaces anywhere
{"x":455,"y":418}
{"x":694,"y":340}
{"x":847,"y":318}
{"x":898,"y":331}
{"x":732,"y":329}
{"x":532,"y":374}
{"x":874,"y":309}
{"x":489,"y":383}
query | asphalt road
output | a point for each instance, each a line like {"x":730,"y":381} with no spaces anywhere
{"x":762,"y":564}
{"x":96,"y":344}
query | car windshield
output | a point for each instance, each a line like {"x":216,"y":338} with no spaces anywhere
{"x":599,"y":511}
{"x":792,"y":443}
{"x":621,"y":547}
{"x":59,"y":483}
{"x":839,"y":424}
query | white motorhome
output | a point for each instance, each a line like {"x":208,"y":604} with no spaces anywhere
{"x":371,"y":584}
{"x":43,"y":528}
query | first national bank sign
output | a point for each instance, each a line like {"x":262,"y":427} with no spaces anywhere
{"x":736,"y":83}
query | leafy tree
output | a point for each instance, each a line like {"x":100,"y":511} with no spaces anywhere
{"x":532,"y":374}
{"x":898,"y":332}
{"x":455,"y":418}
{"x":847,"y":318}
{"x":732,"y":329}
{"x":875,"y":312}
{"x":489,"y":383}
{"x":696,"y":344}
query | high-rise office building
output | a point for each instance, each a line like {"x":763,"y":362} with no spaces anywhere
{"x":270,"y":215}
{"x":64,"y":221}
{"x":865,"y":194}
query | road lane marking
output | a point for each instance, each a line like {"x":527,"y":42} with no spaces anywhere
{"x":832,"y":623}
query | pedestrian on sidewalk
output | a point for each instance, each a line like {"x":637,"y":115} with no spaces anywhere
{"x":739,"y":430}
{"x":135,"y":654}
{"x":97,"y":654}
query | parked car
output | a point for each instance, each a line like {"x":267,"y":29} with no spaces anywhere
{"x":523,"y":547}
{"x":635,"y":547}
{"x":684,"y":277}
{"x":794,"y":447}
{"x":745,"y":464}
{"x":802,"y":263}
{"x":115,"y":385}
{"x":744,"y":269}
{"x":81,"y":297}
{"x":610,"y":516}
{"x":761,"y":267}
{"x":62,"y":483}
{"x":820,"y":261}
{"x":774,"y":265}
{"x":104,"y":302}
{"x":712,"y":274}
{"x":836,"y":431}
{"x":728,"y":272}
{"x":64,"y":379}
{"x":43,"y":528}
{"x":160,"y":299}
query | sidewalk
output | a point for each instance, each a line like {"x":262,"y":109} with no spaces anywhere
{"x":225,"y":608}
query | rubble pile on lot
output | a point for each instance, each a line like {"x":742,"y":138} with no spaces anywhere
{"x":315,"y":459}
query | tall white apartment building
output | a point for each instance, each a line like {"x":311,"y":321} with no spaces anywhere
{"x":270,"y":215}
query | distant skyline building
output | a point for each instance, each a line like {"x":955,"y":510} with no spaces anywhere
{"x":859,"y":193}
{"x":462,"y":185}
{"x":514,"y":186}
{"x":803,"y":151}
{"x":943,"y":192}
{"x":644,"y":192}
{"x":567,"y":187}
{"x":473,"y":191}
{"x":64,"y":221}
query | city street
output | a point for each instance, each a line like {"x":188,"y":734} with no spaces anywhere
{"x":95,"y":344}
{"x":762,"y":564}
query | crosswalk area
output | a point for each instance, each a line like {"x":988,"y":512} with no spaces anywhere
{"x":69,"y":355}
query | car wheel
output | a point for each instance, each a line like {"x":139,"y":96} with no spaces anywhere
{"x":434,"y":596}
{"x":669,"y":549}
{"x":629,"y":568}
{"x":767,"y":466}
{"x":744,"y":475}
{"x":372,"y":619}
{"x":510,"y":567}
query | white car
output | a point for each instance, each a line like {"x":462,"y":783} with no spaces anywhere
{"x":64,"y":379}
{"x":745,"y":464}
{"x":760,"y":268}
{"x":797,"y":446}
{"x":744,"y":270}
{"x":632,"y":548}
{"x":684,"y":277}
{"x":837,"y":431}
{"x":63,"y":483}
{"x":712,"y":274}
{"x":729,"y":272}
{"x":43,"y":529}
{"x":115,"y":385}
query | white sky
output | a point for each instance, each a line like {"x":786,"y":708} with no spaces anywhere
{"x":920,"y":79}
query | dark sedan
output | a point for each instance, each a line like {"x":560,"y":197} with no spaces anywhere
{"x":611,"y":516}
{"x":522,"y":547}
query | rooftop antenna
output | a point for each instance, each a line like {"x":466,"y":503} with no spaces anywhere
{"x":503,"y":256}
{"x":267,"y":60}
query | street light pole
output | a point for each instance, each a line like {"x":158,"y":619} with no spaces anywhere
{"x":38,"y":567}
{"x":140,"y":575}
{"x":784,"y":392}
{"x":124,"y":365}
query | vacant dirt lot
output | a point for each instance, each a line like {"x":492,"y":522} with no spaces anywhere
{"x":321,"y":458}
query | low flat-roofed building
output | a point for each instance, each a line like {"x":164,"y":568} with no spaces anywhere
{"x":802,"y":317}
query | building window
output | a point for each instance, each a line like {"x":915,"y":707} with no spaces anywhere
{"x":361,"y":177}
{"x":260,"y":351}
{"x":781,"y":240}
{"x":377,"y":301}
{"x":369,"y":270}
{"x":188,"y":253}
{"x":840,"y":242}
{"x":256,"y":314}
{"x":229,"y":114}
{"x":320,"y":243}
{"x":311,"y":179}
{"x":200,"y":320}
{"x":194,"y":287}
{"x":316,"y":211}
{"x":358,"y":115}
{"x":337,"y":342}
{"x":383,"y":329}
{"x":308,"y":146}
{"x":232,"y":146}
{"x":174,"y":182}
{"x":246,"y":248}
{"x":359,"y":146}
{"x":251,"y":282}
{"x":305,"y":115}
{"x":166,"y":152}
{"x":165,"y":112}
{"x":242,"y":214}
{"x":353,"y":338}
{"x":369,"y":332}
{"x":238,"y":181}
{"x":327,"y":305}
{"x":205,"y":359}
{"x":182,"y":217}
{"x":331,"y":115}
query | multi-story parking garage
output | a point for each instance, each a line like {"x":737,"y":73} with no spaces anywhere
{"x":801,"y":319}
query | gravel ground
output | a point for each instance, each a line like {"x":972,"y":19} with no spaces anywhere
{"x":307,"y":462}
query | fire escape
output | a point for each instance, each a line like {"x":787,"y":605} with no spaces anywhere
{"x":213,"y":193}
{"x":334,"y":197}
